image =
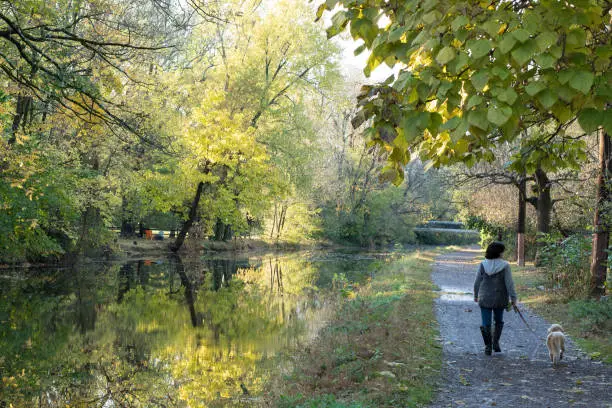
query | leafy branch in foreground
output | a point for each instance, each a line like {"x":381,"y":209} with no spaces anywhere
{"x":475,"y":74}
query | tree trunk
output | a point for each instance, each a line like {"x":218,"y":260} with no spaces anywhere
{"x":601,"y":235}
{"x":189,"y":289}
{"x":544,"y":202}
{"x":127,"y":227}
{"x":24,"y":105}
{"x":227,"y":232}
{"x":281,"y":220}
{"x":219,"y":230}
{"x":274,"y":220}
{"x":193,"y":211}
{"x":522,"y":217}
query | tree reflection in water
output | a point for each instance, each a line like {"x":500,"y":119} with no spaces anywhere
{"x":169,"y":332}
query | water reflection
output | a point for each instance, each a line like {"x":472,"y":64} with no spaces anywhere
{"x":166,"y":332}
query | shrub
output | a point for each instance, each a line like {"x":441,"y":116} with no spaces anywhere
{"x":443,"y":224}
{"x":567,"y":263}
{"x":443,"y":236}
{"x":595,"y":315}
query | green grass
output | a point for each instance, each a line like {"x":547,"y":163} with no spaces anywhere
{"x":379,"y":351}
{"x":588,"y":322}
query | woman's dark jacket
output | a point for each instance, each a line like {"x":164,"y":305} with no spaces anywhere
{"x":494,"y":285}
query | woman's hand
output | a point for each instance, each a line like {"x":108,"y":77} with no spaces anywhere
{"x":476,"y":299}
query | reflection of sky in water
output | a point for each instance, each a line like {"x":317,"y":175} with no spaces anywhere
{"x":455,"y":294}
{"x":456,"y":297}
{"x":183,"y":332}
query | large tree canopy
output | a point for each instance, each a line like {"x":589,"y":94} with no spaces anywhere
{"x":474,"y":74}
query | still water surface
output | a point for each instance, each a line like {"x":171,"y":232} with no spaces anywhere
{"x":165,"y":332}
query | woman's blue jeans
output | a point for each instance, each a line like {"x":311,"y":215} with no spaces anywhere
{"x":498,"y":314}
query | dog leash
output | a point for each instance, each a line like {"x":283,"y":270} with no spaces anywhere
{"x":517,"y":310}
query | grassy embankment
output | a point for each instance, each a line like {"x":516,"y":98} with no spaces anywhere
{"x":379,"y":350}
{"x":588,"y":322}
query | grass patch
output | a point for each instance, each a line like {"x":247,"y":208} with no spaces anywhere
{"x":588,"y":322}
{"x":380,"y":349}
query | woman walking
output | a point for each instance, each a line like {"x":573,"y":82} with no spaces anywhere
{"x":492,"y":288}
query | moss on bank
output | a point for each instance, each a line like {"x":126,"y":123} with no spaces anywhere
{"x":379,"y":350}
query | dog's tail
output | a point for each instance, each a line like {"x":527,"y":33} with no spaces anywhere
{"x":556,"y":357}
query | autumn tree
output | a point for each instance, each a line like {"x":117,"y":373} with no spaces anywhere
{"x":475,"y":74}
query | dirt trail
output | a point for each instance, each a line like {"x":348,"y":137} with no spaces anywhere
{"x":520,"y":376}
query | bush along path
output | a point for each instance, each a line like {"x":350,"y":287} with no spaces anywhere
{"x":522,"y":374}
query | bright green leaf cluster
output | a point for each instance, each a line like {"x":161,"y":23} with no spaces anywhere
{"x":482,"y":69}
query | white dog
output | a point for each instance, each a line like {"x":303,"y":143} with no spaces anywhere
{"x":555,"y":343}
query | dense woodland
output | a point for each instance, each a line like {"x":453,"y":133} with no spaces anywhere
{"x":216,"y":120}
{"x":236,"y":119}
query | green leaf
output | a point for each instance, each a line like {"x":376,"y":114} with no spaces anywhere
{"x":500,"y":72}
{"x":444,"y":88}
{"x":499,"y":115}
{"x":423,"y":91}
{"x":507,"y":43}
{"x":545,"y":60}
{"x":534,"y":88}
{"x":446,"y":55}
{"x":373,"y":62}
{"x":435,"y":120}
{"x":547,"y":98}
{"x":461,"y":146}
{"x":479,"y":48}
{"x":508,"y":96}
{"x":450,"y":124}
{"x":431,"y":17}
{"x":566,"y":93}
{"x":479,"y":80}
{"x":457,"y":65}
{"x":491,"y":27}
{"x":320,"y":11}
{"x":576,"y":37}
{"x":398,"y":156}
{"x":478,"y":119}
{"x":339,"y":22}
{"x":403,"y":80}
{"x":562,"y":112}
{"x":522,"y":54}
{"x":590,"y":119}
{"x":564,"y":76}
{"x":429,"y":4}
{"x":473,"y":101}
{"x":460,"y":131}
{"x":459,"y":22}
{"x":521,"y":35}
{"x":607,"y":121}
{"x":359,"y":49}
{"x":396,"y":34}
{"x":546,"y":39}
{"x":582,"y":81}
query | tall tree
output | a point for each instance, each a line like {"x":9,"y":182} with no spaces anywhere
{"x":468,"y":69}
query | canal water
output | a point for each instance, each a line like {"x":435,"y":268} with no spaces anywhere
{"x":165,"y":332}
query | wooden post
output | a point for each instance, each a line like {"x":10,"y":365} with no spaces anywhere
{"x":601,"y":230}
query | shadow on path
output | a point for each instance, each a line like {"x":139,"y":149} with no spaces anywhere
{"x":522,"y":375}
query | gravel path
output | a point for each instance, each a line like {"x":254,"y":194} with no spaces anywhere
{"x":522,"y":375}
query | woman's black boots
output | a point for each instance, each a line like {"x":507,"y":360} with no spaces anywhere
{"x":486,"y":336}
{"x":496,"y":335}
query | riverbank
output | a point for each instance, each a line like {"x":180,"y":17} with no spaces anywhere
{"x":379,"y":350}
{"x":138,"y":246}
{"x":589,"y":322}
